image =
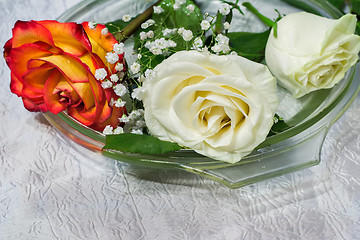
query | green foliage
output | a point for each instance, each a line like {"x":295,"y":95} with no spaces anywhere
{"x":355,"y":8}
{"x":339,"y":4}
{"x":169,"y":19}
{"x":278,"y":126}
{"x":134,"y":143}
{"x":249,"y":45}
{"x":116,"y":26}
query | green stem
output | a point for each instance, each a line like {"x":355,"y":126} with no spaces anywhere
{"x":264,"y":19}
{"x":135,"y":24}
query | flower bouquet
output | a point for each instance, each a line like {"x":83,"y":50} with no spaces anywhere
{"x":211,"y":87}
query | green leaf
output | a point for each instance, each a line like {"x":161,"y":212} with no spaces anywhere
{"x":278,"y":126}
{"x":134,"y":143}
{"x":249,"y":45}
{"x":339,"y":4}
{"x":355,"y":6}
{"x":315,"y":6}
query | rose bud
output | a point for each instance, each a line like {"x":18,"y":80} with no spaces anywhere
{"x":312,"y":52}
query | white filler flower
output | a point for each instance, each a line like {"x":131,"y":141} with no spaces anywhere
{"x":312,"y":52}
{"x":220,"y":106}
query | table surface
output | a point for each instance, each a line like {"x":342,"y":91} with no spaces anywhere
{"x":49,"y":190}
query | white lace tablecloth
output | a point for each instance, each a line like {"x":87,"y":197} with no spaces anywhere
{"x":48,"y":190}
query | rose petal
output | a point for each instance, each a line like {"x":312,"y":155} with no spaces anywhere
{"x":16,"y":85}
{"x":35,"y":106}
{"x":51,"y":99}
{"x":19,"y":57}
{"x":35,"y":78}
{"x":70,"y":37}
{"x":30,"y":32}
{"x":101,"y":44}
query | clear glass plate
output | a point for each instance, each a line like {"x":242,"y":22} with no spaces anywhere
{"x":296,"y":148}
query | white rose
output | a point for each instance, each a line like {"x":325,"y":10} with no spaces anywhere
{"x":220,"y":106}
{"x":312,"y":52}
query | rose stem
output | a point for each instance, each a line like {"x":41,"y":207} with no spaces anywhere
{"x":267,"y":21}
{"x":264,"y":19}
{"x":135,"y":24}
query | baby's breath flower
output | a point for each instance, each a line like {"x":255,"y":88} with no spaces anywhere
{"x":221,"y":39}
{"x":137,"y":114}
{"x":149,"y":74}
{"x":126,"y":18}
{"x":119,"y":103}
{"x":138,"y":93}
{"x":119,"y":48}
{"x":114,"y":78}
{"x":224,"y":9}
{"x":198,"y":43}
{"x":216,"y":48}
{"x":100,"y":74}
{"x":135,"y":67}
{"x":124,"y":119}
{"x":137,"y":131}
{"x":119,"y":67}
{"x":171,"y":43}
{"x":104,"y":31}
{"x":92,"y":25}
{"x":234,"y":53}
{"x":112,"y":57}
{"x":144,"y":25}
{"x":222,"y":44}
{"x":120,"y":90}
{"x":180,"y":2}
{"x":139,"y":56}
{"x":181,"y":30}
{"x":150,"y":22}
{"x":150,"y":34}
{"x":167,"y":32}
{"x":156,"y":51}
{"x":158,"y":9}
{"x":143,"y":36}
{"x":140,"y":123}
{"x":227,"y":25}
{"x":176,"y":6}
{"x":141,"y":78}
{"x":187,"y":35}
{"x":147,"y":24}
{"x":190,"y":7}
{"x":161,"y":43}
{"x":118,"y":130}
{"x":108,"y":130}
{"x":205,"y":25}
{"x":106,"y":84}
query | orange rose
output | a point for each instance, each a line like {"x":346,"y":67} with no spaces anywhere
{"x":53,"y":69}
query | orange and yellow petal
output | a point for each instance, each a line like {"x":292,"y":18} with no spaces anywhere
{"x":69,"y":65}
{"x":70,"y":36}
{"x":16,"y":85}
{"x":77,"y":72}
{"x":112,"y":120}
{"x":101,"y":44}
{"x":30,"y":32}
{"x":35,"y":78}
{"x":35,"y":105}
{"x":51,"y":97}
{"x":19,"y":57}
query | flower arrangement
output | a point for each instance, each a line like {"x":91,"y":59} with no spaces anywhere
{"x":194,"y":84}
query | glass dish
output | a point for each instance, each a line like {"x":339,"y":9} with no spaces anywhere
{"x":296,"y":148}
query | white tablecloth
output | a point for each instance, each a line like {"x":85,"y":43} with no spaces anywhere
{"x":49,"y":190}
